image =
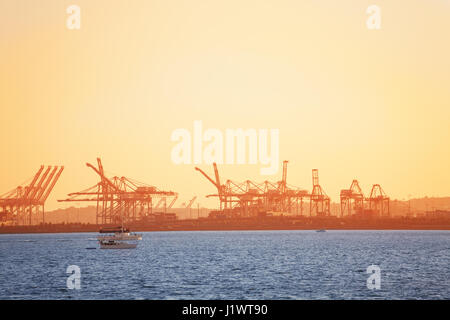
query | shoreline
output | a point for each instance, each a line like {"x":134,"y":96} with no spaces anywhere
{"x":245,"y":224}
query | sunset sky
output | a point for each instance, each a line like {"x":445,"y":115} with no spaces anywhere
{"x":355,"y":103}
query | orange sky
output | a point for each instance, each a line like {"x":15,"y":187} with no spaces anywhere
{"x":352,"y":102}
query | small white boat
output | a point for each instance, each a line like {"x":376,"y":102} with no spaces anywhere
{"x":116,"y":237}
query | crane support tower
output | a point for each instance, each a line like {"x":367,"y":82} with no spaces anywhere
{"x":319,"y":204}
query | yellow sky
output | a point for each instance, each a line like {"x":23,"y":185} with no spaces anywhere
{"x":352,"y":102}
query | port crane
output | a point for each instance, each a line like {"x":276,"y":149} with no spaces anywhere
{"x":250,"y":198}
{"x":22,"y":205}
{"x":119,"y":199}
{"x":352,"y":200}
{"x":379,"y":201}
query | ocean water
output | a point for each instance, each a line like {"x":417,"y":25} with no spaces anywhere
{"x":230,"y":265}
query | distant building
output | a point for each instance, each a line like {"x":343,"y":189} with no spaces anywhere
{"x":438,"y":214}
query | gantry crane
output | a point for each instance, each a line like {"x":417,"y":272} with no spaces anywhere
{"x":379,"y":201}
{"x":249,"y":198}
{"x":352,"y":200}
{"x":119,"y":199}
{"x":22,"y":205}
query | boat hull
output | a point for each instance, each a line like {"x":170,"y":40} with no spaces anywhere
{"x":120,"y":245}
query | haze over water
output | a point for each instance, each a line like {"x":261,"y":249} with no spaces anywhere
{"x":229,"y":265}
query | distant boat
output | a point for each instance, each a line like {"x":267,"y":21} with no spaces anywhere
{"x":321,"y":230}
{"x":116,"y":238}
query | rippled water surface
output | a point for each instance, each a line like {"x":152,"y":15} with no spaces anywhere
{"x":230,"y":265}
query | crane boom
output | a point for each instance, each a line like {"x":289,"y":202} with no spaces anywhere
{"x":191,"y":202}
{"x":159,"y":203}
{"x":46,"y":183}
{"x":38,"y":187}
{"x":33,"y":182}
{"x":207,"y":177}
{"x":102,"y":176}
{"x":50,"y":188}
{"x":216,"y":173}
{"x":100,"y":166}
{"x":215,"y":183}
{"x":173,"y":202}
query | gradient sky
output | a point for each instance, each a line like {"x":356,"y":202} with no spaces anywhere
{"x":352,"y":102}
